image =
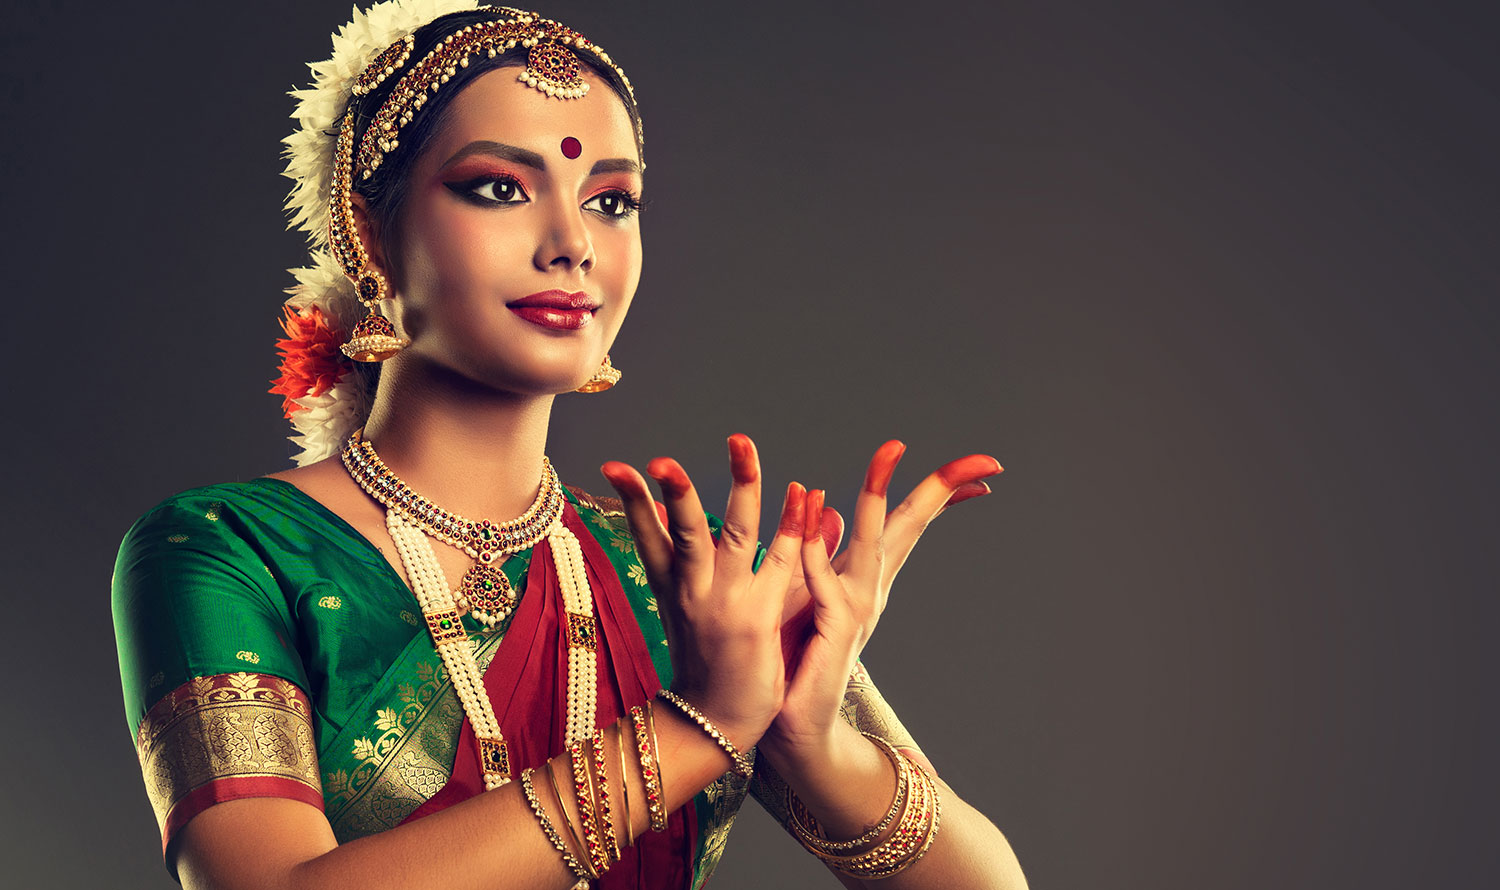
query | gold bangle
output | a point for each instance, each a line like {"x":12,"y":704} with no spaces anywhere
{"x":744,"y":764}
{"x":811,"y":834}
{"x":911,"y":840}
{"x":582,"y":857}
{"x":624,"y":785}
{"x":547,"y":829}
{"x":645,"y":740}
{"x":583,"y":788}
{"x":601,"y":779}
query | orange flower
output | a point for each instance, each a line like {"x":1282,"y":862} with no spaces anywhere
{"x":310,"y":359}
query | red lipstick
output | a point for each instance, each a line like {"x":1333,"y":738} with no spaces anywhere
{"x":556,"y":309}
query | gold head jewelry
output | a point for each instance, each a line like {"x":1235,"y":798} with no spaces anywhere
{"x":552,"y":67}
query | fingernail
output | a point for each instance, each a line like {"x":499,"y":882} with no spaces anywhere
{"x":742,"y":459}
{"x":967,"y":469}
{"x":812,"y":517}
{"x":883,"y":466}
{"x":672,"y":478}
{"x":792,"y":509}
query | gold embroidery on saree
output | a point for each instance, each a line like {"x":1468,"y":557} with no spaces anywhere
{"x":408,"y":756}
{"x":725,"y":794}
{"x":223,"y":726}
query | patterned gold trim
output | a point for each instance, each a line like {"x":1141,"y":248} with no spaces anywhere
{"x":223,"y":726}
{"x":602,"y":505}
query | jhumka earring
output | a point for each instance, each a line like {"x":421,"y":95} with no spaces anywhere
{"x":607,"y":375}
{"x":374,"y":337}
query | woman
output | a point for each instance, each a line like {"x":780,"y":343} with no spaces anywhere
{"x":323,"y":697}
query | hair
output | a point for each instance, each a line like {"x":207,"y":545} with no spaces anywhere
{"x":386,"y":190}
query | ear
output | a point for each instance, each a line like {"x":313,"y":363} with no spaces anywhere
{"x":369,"y":234}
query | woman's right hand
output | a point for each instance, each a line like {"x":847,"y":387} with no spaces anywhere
{"x":722,"y":618}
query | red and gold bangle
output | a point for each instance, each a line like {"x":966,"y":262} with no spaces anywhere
{"x":588,"y":825}
{"x":624,"y":785}
{"x":601,"y":777}
{"x":645,"y":741}
{"x":582,"y":857}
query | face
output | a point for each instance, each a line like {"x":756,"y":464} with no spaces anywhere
{"x":520,"y":207}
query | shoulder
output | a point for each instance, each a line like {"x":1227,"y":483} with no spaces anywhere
{"x":604,"y":506}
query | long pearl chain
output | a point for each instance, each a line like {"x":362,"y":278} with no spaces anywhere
{"x":444,"y":612}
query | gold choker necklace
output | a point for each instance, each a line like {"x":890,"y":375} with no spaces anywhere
{"x":484,"y":590}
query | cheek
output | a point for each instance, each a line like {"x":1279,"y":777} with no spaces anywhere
{"x":455,"y":252}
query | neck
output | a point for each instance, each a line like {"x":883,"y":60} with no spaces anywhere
{"x":469,"y":449}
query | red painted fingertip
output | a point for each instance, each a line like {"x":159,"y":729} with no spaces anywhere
{"x":966,"y":491}
{"x":661,"y":513}
{"x":812,"y":522}
{"x":967,"y":469}
{"x":792,"y":510}
{"x":670,"y":476}
{"x":883,"y":466}
{"x":620,"y":476}
{"x":742,"y":459}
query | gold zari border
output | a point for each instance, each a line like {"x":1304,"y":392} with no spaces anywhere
{"x":222,"y":726}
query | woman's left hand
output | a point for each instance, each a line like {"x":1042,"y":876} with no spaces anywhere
{"x":848,"y":594}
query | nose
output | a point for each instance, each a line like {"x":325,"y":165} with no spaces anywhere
{"x":565,"y":243}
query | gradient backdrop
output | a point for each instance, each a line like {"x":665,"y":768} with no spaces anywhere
{"x":1215,"y":281}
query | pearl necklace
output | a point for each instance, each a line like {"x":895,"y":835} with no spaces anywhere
{"x":484,"y":591}
{"x":443,"y":614}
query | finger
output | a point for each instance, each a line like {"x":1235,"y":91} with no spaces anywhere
{"x":826,"y":590}
{"x":647,"y":526}
{"x":910,"y":518}
{"x":741,"y":531}
{"x":832,"y":527}
{"x":782,"y":556}
{"x":692,"y":545}
{"x":966,"y":492}
{"x":865,"y":541}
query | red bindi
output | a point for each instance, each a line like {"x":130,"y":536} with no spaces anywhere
{"x":571,"y":148}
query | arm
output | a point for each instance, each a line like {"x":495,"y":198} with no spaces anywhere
{"x":489,"y":841}
{"x":842,"y":778}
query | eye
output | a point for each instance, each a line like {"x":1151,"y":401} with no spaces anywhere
{"x":616,"y":204}
{"x":491,"y":190}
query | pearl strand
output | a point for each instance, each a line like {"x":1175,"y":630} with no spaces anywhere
{"x":578,"y":605}
{"x":453,"y":646}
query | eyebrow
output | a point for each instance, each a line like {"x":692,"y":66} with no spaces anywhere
{"x":531,"y":159}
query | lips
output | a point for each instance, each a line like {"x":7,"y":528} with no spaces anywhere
{"x":556,"y":309}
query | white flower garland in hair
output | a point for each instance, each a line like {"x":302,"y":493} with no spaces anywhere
{"x":325,"y":420}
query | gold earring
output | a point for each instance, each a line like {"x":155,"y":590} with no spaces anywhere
{"x":607,"y":375}
{"x":374,"y":337}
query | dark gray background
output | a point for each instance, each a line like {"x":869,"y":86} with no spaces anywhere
{"x":1215,"y":281}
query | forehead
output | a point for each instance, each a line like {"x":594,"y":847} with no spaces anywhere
{"x":498,"y":106}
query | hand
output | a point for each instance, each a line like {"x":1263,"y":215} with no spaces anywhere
{"x":722,"y":619}
{"x":848,"y":595}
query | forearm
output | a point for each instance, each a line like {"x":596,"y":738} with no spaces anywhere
{"x":490,"y":841}
{"x":848,"y":785}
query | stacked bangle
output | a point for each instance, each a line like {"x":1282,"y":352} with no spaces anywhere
{"x":583,"y":788}
{"x":914,"y":833}
{"x":744,"y":763}
{"x":541,"y":817}
{"x":645,"y":741}
{"x":585,"y":867}
{"x":601,"y":780}
{"x":624,"y":786}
